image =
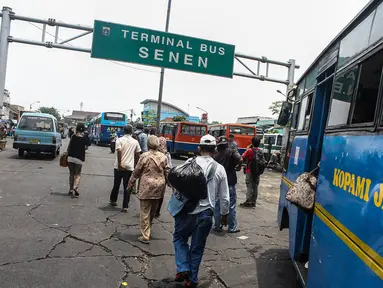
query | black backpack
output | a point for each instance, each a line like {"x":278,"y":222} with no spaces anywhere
{"x":257,"y":164}
{"x":135,"y":136}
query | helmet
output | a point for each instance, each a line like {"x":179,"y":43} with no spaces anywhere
{"x":140,"y":125}
{"x":208,"y":140}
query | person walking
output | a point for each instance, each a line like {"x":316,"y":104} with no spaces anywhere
{"x":113,"y":139}
{"x":127,"y":148}
{"x":255,"y":165}
{"x":76,"y":158}
{"x":3,"y":137}
{"x":198,"y":223}
{"x":162,"y":149}
{"x":152,"y":169}
{"x":231,"y":160}
{"x":141,"y":136}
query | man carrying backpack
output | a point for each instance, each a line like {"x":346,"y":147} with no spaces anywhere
{"x":231,"y":160}
{"x":197,"y":223}
{"x":254,"y":169}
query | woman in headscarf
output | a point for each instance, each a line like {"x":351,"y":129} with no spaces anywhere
{"x":152,"y":168}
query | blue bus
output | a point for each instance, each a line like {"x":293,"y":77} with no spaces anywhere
{"x":101,"y":126}
{"x":337,"y":123}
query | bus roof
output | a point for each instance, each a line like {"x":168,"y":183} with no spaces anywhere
{"x":185,"y":122}
{"x":234,"y":124}
{"x":370,"y":6}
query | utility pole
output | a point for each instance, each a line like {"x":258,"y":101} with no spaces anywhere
{"x":159,"y":104}
{"x":4,"y":34}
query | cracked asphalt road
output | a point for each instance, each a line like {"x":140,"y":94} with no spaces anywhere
{"x":50,"y":240}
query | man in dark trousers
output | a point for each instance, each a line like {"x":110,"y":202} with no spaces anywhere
{"x":127,"y":148}
{"x":231,"y":160}
{"x":254,"y":158}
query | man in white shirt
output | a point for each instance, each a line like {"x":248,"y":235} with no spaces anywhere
{"x":198,"y":223}
{"x":127,"y":147}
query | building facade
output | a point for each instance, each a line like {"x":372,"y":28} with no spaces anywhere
{"x":168,"y":111}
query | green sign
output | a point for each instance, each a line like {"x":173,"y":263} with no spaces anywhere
{"x":155,"y":48}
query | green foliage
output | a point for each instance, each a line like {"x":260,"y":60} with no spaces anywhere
{"x":275,"y":107}
{"x":215,"y":122}
{"x":50,"y":110}
{"x":179,"y":118}
{"x":150,"y":118}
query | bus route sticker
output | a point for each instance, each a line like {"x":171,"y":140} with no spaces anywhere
{"x":296,"y":156}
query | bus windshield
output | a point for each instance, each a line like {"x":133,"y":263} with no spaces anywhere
{"x":193,"y":130}
{"x":114,"y":116}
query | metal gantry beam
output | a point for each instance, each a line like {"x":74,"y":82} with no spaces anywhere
{"x":5,"y":38}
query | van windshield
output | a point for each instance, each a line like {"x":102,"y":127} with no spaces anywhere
{"x":36,"y":123}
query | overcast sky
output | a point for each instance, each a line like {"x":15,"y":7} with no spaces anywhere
{"x":279,"y":30}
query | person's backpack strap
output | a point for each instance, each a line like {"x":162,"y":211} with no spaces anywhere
{"x":213,"y":168}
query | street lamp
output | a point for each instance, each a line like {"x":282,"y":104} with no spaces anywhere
{"x":30,"y":106}
{"x":201,"y":109}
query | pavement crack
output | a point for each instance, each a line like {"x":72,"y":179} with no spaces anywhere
{"x":219,"y":279}
{"x":55,"y":246}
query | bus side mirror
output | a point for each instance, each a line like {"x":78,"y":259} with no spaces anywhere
{"x":284,"y":115}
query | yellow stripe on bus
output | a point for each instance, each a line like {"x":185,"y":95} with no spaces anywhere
{"x":361,"y":249}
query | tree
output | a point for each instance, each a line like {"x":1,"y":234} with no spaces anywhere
{"x":275,"y":107}
{"x":52,"y":111}
{"x":179,"y":118}
{"x":215,"y":122}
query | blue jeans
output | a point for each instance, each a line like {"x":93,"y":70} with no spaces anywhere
{"x":198,"y":227}
{"x":232,"y":217}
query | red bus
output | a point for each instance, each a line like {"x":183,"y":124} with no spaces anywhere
{"x":242,"y":133}
{"x":183,"y":137}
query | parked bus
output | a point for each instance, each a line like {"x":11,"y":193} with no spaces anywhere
{"x":242,"y":133}
{"x":101,"y":126}
{"x":271,"y":144}
{"x":337,"y":122}
{"x":183,"y":137}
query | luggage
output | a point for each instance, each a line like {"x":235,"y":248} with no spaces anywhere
{"x":302,"y":193}
{"x":64,"y":159}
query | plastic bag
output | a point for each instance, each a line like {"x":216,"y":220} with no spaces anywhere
{"x":189,"y":179}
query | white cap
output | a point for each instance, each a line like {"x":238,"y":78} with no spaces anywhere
{"x":208,"y":140}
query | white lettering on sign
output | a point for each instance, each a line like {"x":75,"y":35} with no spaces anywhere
{"x":143,"y":52}
{"x":188,"y":45}
{"x":170,"y":42}
{"x":221,"y":51}
{"x":203,"y":48}
{"x":155,"y":39}
{"x":144,"y":36}
{"x":202,"y":61}
{"x":180,"y":44}
{"x":173,"y":56}
{"x":134,"y":35}
{"x":188,"y":60}
{"x":158,"y":55}
{"x":125,"y":31}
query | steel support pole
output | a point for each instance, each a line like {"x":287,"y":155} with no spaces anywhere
{"x":4,"y":33}
{"x":159,"y":104}
{"x":286,"y":129}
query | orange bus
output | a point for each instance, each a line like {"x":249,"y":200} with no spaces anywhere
{"x":242,"y":133}
{"x":183,"y":137}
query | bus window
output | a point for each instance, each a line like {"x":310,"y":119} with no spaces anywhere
{"x":302,"y":114}
{"x":368,"y":89}
{"x":185,"y":129}
{"x":308,"y":111}
{"x":197,"y":130}
{"x":203,"y":130}
{"x":342,"y":95}
{"x":239,"y":130}
{"x":294,"y":118}
{"x":270,"y":139}
{"x":215,"y":131}
{"x":114,"y":116}
{"x":192,"y":130}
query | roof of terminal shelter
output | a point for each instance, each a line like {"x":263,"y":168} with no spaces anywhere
{"x":370,"y":6}
{"x":81,"y":115}
{"x":165,"y":103}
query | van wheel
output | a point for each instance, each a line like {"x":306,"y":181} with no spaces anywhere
{"x":21,"y":152}
{"x":54,"y":154}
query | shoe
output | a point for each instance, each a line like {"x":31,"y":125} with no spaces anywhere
{"x":70,"y":193}
{"x":190,"y":284}
{"x":143,"y":240}
{"x":114,"y":204}
{"x":233,"y":231}
{"x":157,"y":215}
{"x":245,"y":204}
{"x":124,"y":210}
{"x":217,"y":229}
{"x":182,"y":276}
{"x":76,"y":194}
{"x":253,"y":205}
